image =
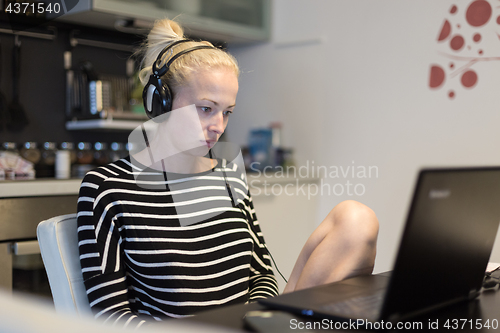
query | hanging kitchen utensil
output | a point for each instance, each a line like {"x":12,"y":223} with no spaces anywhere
{"x":16,"y":116}
{"x":3,"y":100}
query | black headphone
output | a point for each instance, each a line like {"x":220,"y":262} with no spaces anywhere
{"x":156,"y":96}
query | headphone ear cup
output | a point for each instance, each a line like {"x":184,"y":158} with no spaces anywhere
{"x":167,"y":99}
{"x":156,"y":97}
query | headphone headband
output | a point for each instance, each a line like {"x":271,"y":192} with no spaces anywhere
{"x":181,"y":53}
{"x":159,"y":71}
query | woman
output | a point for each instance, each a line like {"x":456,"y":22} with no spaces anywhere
{"x":171,"y":230}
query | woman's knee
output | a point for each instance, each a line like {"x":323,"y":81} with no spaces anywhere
{"x":354,"y":218}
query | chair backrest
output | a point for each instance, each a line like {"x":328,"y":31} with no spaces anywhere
{"x":58,"y":242}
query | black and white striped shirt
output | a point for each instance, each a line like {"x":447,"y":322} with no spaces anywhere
{"x":155,"y":245}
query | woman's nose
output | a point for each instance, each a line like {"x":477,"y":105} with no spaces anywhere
{"x":217,"y":123}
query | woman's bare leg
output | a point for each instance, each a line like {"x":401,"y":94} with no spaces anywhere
{"x":343,"y":245}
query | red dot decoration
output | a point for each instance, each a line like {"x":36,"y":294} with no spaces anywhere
{"x":469,"y":79}
{"x":457,"y":43}
{"x":445,"y":31}
{"x":478,"y":13}
{"x":437,"y":76}
{"x":498,"y":20}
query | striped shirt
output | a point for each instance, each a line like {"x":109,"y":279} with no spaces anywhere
{"x":155,"y":245}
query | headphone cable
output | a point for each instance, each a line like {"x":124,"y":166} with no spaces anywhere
{"x":235,"y":204}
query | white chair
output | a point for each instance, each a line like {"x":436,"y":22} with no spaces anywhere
{"x":58,"y":242}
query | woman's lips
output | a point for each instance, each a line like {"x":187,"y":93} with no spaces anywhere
{"x":210,"y":143}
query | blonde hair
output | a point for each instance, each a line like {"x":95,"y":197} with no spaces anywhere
{"x":165,"y":32}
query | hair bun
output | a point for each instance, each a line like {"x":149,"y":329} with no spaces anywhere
{"x":163,"y":33}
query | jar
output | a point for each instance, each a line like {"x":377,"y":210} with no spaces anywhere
{"x":49,"y":153}
{"x":84,"y":160}
{"x":46,"y":166}
{"x":30,"y":152}
{"x":10,"y":147}
{"x":84,"y":153}
{"x":117,"y":152}
{"x":101,"y":156}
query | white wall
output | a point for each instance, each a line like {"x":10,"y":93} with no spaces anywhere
{"x":349,"y":80}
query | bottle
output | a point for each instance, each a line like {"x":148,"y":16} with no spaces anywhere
{"x":72,"y":152}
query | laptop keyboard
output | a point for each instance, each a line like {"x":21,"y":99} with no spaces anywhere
{"x":360,"y":307}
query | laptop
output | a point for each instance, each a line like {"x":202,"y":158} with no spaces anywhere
{"x":446,"y":244}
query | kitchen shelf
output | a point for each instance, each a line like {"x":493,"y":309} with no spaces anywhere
{"x":235,"y":21}
{"x":103,"y":124}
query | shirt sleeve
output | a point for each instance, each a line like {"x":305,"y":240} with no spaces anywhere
{"x":99,"y":244}
{"x":263,"y":283}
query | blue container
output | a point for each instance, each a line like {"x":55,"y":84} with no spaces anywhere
{"x":260,"y":148}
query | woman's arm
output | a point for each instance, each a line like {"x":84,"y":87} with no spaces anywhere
{"x":100,"y":256}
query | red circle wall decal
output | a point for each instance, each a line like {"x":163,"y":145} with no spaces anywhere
{"x":457,"y":43}
{"x":469,"y":79}
{"x":478,"y":13}
{"x":445,"y":31}
{"x":437,"y":76}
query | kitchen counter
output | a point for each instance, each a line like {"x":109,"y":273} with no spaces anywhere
{"x":45,"y":187}
{"x":24,"y":203}
{"x":39,"y":187}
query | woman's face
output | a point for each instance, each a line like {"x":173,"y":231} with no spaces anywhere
{"x":213,"y":93}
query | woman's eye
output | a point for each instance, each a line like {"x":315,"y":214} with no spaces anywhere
{"x":205,"y":109}
{"x":228,"y":112}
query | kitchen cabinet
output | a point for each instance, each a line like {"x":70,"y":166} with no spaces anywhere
{"x":233,"y":21}
{"x":23,"y":205}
